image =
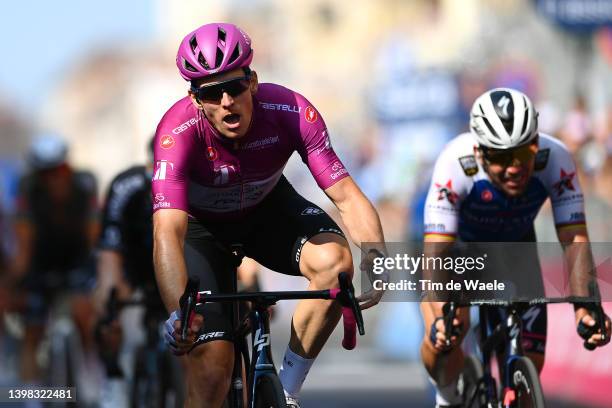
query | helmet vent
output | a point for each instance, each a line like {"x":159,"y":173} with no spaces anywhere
{"x":235,"y":54}
{"x":219,"y":59}
{"x":188,"y":66}
{"x":222,"y":37}
{"x":526,"y":116}
{"x":493,"y":133}
{"x":202,"y":61}
{"x":193,"y":43}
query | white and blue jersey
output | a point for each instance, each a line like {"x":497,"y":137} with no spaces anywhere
{"x":463,"y":202}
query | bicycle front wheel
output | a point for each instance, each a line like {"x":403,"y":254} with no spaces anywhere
{"x":470,"y":382}
{"x":526,"y":384}
{"x":269,"y":392}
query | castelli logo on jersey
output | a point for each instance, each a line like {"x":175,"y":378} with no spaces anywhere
{"x":159,"y":197}
{"x":166,"y":142}
{"x":486,"y":195}
{"x":212,"y":153}
{"x":310,"y":114}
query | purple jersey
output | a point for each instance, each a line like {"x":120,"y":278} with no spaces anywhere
{"x":200,"y":172}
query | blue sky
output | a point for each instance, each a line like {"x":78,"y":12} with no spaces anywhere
{"x":39,"y":39}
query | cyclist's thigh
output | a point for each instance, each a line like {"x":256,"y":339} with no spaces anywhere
{"x":283,"y":224}
{"x":207,"y":260}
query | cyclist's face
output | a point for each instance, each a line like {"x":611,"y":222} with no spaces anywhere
{"x":509,"y":170}
{"x":229,"y":105}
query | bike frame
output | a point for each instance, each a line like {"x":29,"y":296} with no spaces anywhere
{"x":506,"y":333}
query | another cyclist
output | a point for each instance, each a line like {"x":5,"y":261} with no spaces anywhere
{"x":488,"y":185}
{"x":219,"y":157}
{"x":125,"y":263}
{"x":55,"y":229}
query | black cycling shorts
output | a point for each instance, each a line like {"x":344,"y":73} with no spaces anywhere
{"x":273,"y":234}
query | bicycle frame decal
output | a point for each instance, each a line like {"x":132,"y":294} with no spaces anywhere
{"x":261,"y":340}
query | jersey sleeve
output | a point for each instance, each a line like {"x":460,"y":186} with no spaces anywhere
{"x":314,"y":146}
{"x":172,"y":157}
{"x":449,"y":186}
{"x":561,"y":180}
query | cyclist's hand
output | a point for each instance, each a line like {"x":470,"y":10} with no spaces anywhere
{"x":582,"y":315}
{"x":172,"y":333}
{"x":373,"y":296}
{"x":437,"y":332}
{"x":370,"y":298}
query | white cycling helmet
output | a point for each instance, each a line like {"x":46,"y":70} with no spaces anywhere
{"x":47,"y":152}
{"x":503,"y":118}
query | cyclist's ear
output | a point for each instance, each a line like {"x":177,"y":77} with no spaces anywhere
{"x":195,"y":101}
{"x":254,"y":83}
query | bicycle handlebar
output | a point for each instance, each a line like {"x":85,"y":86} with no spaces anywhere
{"x":351,"y":313}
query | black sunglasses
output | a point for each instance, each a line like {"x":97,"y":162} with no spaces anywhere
{"x":213,"y":93}
{"x":506,"y":157}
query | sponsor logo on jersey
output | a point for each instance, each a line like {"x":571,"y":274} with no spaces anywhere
{"x":327,"y":145}
{"x":223,"y":174}
{"x":163,"y":204}
{"x":261,"y":143}
{"x":159,"y":197}
{"x":338,"y":170}
{"x":445,"y":192}
{"x":310,"y":114}
{"x":280,"y":107}
{"x":486,"y":195}
{"x":312,"y":211}
{"x":186,"y":125}
{"x":541,"y":159}
{"x":166,"y":142}
{"x":565,"y":183}
{"x":161,"y":169}
{"x":212,"y":153}
{"x":469,"y":165}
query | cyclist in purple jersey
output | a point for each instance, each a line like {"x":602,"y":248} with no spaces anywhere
{"x":219,"y":158}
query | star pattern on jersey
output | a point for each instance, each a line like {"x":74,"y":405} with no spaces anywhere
{"x":565,"y":182}
{"x":446,"y":192}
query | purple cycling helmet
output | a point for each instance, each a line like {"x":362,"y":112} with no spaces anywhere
{"x":213,"y":48}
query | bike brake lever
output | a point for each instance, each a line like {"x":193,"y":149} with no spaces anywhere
{"x":449,"y":310}
{"x":347,"y":289}
{"x":187,"y":303}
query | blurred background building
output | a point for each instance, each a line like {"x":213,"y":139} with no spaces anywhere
{"x":394,"y":80}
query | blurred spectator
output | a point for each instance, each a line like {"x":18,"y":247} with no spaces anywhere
{"x":576,"y":129}
{"x":55,"y":229}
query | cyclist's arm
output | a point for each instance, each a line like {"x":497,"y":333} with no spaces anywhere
{"x":577,"y":251}
{"x":110,"y":275}
{"x":24,"y":234}
{"x":169,"y":229}
{"x":357,"y":212}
